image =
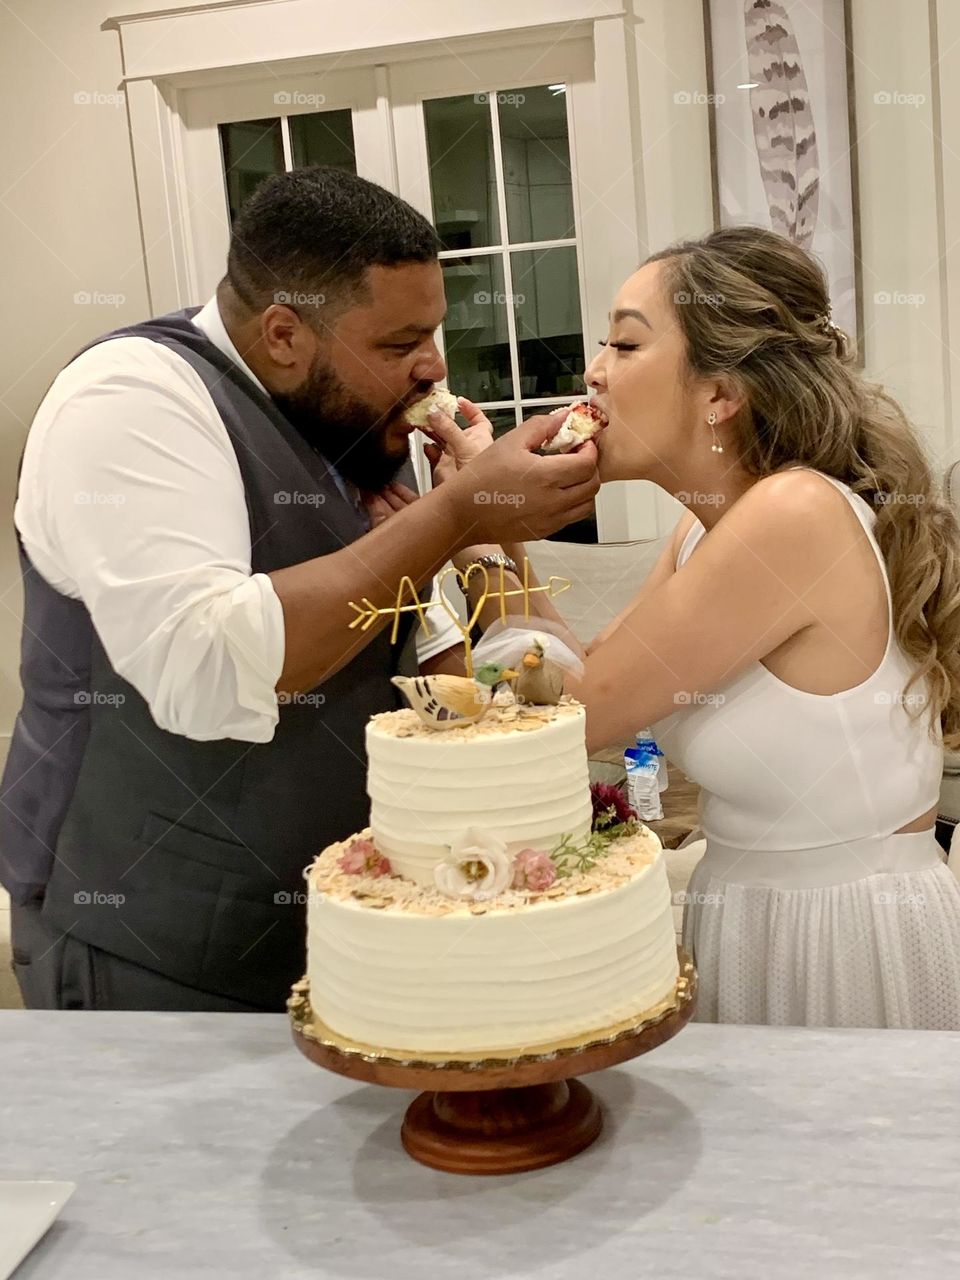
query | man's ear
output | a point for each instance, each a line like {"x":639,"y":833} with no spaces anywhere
{"x":289,"y":342}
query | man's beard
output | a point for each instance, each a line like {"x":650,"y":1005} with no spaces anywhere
{"x":350,"y":433}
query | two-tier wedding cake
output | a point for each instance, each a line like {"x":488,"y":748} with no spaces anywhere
{"x":483,"y":912}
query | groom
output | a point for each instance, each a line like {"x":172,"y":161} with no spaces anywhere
{"x":193,"y":526}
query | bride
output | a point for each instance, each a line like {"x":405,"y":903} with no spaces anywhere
{"x":797,"y":646}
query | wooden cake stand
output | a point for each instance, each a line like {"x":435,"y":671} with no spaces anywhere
{"x":501,"y":1114}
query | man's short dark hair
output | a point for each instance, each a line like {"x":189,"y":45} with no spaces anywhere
{"x":314,"y":231}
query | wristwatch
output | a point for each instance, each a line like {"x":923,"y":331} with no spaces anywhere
{"x":497,"y":560}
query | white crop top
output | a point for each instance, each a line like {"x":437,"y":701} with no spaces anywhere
{"x":780,"y":768}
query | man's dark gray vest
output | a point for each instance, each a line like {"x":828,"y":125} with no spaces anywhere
{"x":187,"y":857}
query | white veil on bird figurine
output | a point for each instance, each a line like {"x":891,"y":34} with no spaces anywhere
{"x":541,"y":656}
{"x":538,"y":649}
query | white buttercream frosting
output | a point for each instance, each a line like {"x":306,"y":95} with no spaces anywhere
{"x":399,"y":967}
{"x":519,"y":774}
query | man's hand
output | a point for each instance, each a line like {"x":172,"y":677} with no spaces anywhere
{"x":508,"y":493}
{"x":380,"y":506}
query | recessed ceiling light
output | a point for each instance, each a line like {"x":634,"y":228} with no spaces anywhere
{"x":754,"y":84}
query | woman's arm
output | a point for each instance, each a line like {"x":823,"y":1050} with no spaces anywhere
{"x":751,"y":586}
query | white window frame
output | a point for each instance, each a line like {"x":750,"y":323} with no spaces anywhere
{"x":170,"y":53}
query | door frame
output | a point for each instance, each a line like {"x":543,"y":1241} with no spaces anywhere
{"x":610,"y":230}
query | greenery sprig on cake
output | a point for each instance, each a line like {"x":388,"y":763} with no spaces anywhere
{"x":613,"y":819}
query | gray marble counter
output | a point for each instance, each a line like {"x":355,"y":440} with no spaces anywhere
{"x":206,"y":1145}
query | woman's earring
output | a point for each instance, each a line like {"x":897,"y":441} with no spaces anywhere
{"x":716,"y":447}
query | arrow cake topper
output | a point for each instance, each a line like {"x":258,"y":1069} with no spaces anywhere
{"x":408,"y":601}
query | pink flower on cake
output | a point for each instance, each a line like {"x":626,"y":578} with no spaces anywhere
{"x":476,"y":867}
{"x":360,"y":858}
{"x":533,"y":869}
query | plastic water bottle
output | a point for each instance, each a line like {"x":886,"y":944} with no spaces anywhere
{"x":646,"y":742}
{"x":642,"y":764}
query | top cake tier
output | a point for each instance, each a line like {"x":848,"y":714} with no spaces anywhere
{"x":520,"y":774}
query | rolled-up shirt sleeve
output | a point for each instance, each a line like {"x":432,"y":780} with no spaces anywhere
{"x":131,"y":499}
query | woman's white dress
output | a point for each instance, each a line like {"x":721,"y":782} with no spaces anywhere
{"x":806,"y":909}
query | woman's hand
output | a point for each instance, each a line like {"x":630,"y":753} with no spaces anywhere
{"x":380,"y":506}
{"x":453,"y":447}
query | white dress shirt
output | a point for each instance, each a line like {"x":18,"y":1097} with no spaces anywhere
{"x":131,"y":500}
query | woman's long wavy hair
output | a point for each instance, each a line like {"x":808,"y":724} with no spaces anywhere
{"x":754,"y":307}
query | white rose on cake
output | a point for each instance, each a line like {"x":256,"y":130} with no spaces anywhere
{"x":477,"y":866}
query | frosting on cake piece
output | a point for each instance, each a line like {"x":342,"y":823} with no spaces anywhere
{"x":438,"y":398}
{"x":582,"y":423}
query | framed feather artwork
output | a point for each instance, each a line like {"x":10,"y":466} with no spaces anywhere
{"x":783,"y":137}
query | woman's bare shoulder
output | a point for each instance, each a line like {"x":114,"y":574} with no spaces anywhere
{"x":795,"y":519}
{"x":792,"y":500}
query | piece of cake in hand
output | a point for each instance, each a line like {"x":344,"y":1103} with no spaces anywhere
{"x":439,"y":398}
{"x":582,"y":423}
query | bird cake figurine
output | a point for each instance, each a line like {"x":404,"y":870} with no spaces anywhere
{"x":444,"y":702}
{"x":539,"y":680}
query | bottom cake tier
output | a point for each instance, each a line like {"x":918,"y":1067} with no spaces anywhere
{"x":396,"y":965}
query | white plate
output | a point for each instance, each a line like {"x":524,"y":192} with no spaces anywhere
{"x":26,"y":1211}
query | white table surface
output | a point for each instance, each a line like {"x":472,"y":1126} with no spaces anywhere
{"x":206,"y":1145}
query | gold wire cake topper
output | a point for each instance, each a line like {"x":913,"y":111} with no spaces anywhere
{"x":367,"y":612}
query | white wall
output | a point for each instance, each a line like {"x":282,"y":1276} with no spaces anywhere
{"x":68,"y":225}
{"x":905,"y":224}
{"x":69,"y":217}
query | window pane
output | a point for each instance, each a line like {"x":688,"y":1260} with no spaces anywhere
{"x":323,"y":137}
{"x":536,"y":164}
{"x":462,"y":177}
{"x":475,"y":329}
{"x":252,"y":150}
{"x":502,"y":420}
{"x":546,"y":293}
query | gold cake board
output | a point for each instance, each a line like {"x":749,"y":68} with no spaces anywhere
{"x":504,"y":1112}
